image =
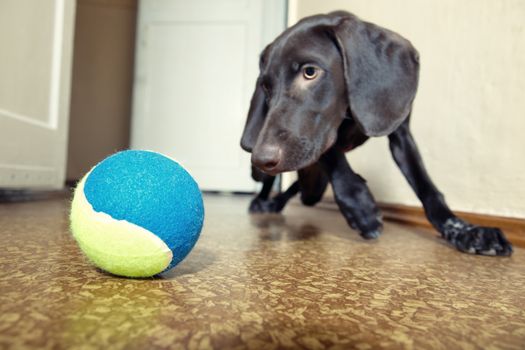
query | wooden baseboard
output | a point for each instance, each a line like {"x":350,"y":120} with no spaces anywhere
{"x":514,"y":228}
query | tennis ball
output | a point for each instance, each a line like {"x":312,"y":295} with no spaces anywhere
{"x":137,"y":213}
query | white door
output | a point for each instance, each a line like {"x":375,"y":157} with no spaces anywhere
{"x":35,"y":61}
{"x":197,"y":62}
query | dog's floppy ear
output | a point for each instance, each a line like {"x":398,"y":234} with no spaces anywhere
{"x":381,"y":74}
{"x":255,"y":120}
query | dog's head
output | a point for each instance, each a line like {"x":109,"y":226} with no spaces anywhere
{"x":315,"y":73}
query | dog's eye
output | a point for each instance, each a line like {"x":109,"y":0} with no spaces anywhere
{"x":310,"y":72}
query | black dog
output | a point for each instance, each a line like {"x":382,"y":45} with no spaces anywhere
{"x":326,"y":85}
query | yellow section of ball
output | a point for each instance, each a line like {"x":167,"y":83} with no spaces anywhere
{"x":117,"y":246}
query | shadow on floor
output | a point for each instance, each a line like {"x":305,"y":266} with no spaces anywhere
{"x":198,"y":260}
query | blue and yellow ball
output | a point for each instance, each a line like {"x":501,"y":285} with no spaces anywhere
{"x":137,"y":213}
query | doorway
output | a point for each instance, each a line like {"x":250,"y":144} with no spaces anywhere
{"x":197,"y":63}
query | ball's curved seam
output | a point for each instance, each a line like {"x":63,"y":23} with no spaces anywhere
{"x":117,"y":246}
{"x":152,"y":191}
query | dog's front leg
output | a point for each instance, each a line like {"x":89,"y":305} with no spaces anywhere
{"x":352,"y":195}
{"x":461,"y":234}
{"x":262,"y":203}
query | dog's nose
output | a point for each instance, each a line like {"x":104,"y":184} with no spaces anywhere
{"x":267,"y":157}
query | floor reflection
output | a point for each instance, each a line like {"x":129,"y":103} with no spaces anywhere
{"x":275,"y":227}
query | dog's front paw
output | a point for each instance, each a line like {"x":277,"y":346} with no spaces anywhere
{"x":371,"y":234}
{"x":474,"y":239}
{"x":368,"y":227}
{"x":261,"y":206}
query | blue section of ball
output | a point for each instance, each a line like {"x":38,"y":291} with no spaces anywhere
{"x":152,"y":191}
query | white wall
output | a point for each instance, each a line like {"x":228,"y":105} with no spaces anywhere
{"x":468,"y":117}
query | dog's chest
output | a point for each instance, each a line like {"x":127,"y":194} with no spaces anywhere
{"x":349,"y":136}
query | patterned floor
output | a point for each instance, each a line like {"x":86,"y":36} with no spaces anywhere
{"x":301,"y":280}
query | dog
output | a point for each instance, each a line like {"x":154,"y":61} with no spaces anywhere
{"x":326,"y":85}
